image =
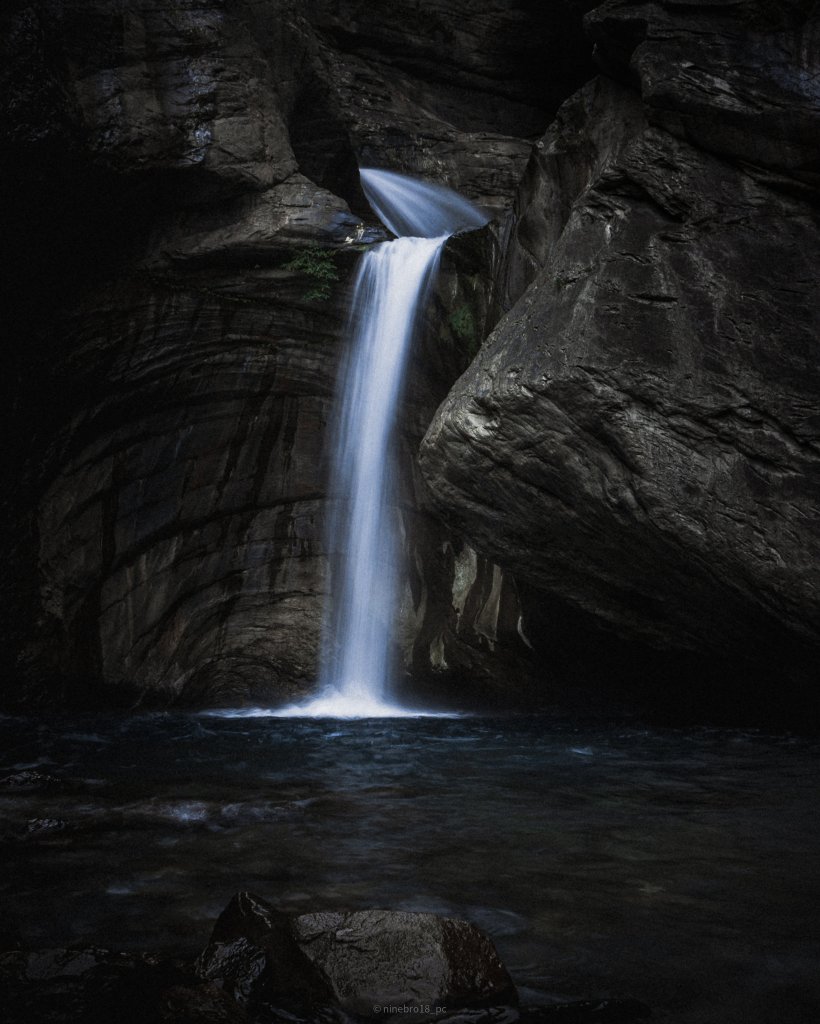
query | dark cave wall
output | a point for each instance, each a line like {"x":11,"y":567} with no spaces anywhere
{"x":638,"y":439}
{"x":625,"y":474}
{"x":169,"y":384}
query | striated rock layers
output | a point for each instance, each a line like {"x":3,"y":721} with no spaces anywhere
{"x":636,"y":444}
{"x":170,"y":373}
{"x":640,"y":436}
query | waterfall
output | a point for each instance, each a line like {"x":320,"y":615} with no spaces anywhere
{"x":391,"y":292}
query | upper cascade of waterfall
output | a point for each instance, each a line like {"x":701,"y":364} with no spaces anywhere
{"x":419,"y":209}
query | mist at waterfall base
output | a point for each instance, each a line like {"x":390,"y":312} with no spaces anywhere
{"x":390,"y":294}
{"x":677,"y":867}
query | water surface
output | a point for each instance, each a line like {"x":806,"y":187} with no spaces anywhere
{"x":679,"y":868}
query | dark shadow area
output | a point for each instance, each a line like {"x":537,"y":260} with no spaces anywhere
{"x":584,"y":668}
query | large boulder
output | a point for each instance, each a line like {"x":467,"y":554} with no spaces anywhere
{"x":639,"y":436}
{"x":365,"y":962}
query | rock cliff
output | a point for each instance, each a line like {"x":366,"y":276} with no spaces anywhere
{"x":626,"y":473}
{"x":170,"y":373}
{"x":639,"y":437}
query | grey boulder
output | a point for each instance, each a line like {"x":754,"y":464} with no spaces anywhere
{"x":365,"y":962}
{"x":638,"y":438}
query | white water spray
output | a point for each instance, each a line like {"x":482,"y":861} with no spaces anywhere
{"x":390,"y":295}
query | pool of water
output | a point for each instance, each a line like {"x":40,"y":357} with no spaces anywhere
{"x":676,"y":867}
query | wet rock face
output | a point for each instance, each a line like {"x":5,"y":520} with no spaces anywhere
{"x":451,"y":90}
{"x":154,"y":86}
{"x":459,"y":622}
{"x":639,"y":437}
{"x":170,"y":379}
{"x":737,"y":82}
{"x":161,"y":168}
{"x":184,"y":527}
{"x":363,"y":962}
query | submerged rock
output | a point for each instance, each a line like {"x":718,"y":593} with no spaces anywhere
{"x":30,"y":780}
{"x":366,"y":962}
{"x":39,"y":826}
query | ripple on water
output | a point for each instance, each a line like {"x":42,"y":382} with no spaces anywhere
{"x":670,"y":866}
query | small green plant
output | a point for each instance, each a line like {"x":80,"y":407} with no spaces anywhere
{"x":317,"y":264}
{"x":462,"y":323}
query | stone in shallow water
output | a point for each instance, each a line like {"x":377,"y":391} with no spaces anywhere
{"x":30,"y":779}
{"x":378,"y":958}
{"x":370,"y":962}
{"x":42,"y":826}
{"x":199,"y":1004}
{"x":255,"y":957}
{"x":265,"y":967}
{"x":97,"y":986}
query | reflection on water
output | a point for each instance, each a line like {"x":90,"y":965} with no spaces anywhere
{"x":678,"y":868}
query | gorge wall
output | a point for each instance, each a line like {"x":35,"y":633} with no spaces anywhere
{"x":639,"y":436}
{"x":625,"y":474}
{"x":171,"y":372}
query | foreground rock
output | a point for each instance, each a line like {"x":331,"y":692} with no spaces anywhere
{"x":263,"y":966}
{"x":97,"y":986}
{"x":363,"y":962}
{"x":639,"y":437}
